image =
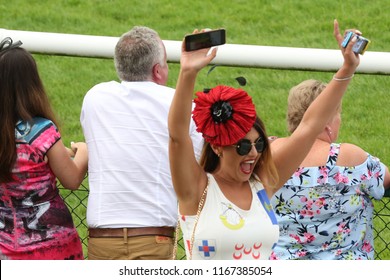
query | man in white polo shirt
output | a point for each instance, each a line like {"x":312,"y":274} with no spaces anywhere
{"x":132,"y":206}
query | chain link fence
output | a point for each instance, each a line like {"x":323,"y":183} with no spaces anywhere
{"x":382,"y":227}
{"x":77,"y":204}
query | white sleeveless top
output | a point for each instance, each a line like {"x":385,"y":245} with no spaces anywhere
{"x":226,"y":232}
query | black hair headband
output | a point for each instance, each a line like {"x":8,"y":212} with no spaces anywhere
{"x":7,"y":44}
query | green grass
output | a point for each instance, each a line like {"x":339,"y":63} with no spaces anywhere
{"x":300,"y":23}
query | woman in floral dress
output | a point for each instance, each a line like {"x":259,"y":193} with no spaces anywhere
{"x":325,"y":210}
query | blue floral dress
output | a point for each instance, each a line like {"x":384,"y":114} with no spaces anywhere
{"x":326,"y":212}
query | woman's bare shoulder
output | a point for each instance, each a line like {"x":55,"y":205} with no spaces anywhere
{"x":351,"y":155}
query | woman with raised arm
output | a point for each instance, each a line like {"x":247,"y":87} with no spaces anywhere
{"x":224,"y":199}
{"x":325,"y":210}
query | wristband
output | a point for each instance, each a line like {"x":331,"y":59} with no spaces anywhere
{"x":343,"y":79}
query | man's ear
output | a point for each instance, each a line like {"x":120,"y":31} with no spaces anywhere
{"x":156,"y":73}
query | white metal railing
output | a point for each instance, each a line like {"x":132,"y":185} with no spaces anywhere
{"x":228,"y":54}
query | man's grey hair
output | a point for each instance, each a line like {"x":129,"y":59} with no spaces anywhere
{"x":136,"y":52}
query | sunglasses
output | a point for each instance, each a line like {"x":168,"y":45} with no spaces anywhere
{"x":244,"y":146}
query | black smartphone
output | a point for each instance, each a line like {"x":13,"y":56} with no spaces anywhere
{"x":205,"y":39}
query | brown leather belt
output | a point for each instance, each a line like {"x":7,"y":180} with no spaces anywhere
{"x":131,"y":232}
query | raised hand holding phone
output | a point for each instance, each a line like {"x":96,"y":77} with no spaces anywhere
{"x":205,"y":39}
{"x":361,"y":44}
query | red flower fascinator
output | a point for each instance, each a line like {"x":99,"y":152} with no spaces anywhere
{"x":223,"y":115}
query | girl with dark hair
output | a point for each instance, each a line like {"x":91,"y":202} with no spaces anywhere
{"x":35,"y":223}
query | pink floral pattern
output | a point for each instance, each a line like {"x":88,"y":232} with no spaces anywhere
{"x":326,"y":212}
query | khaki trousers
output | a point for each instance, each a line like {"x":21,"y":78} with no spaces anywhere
{"x":131,"y":248}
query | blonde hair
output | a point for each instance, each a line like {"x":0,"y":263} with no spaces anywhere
{"x":299,"y":99}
